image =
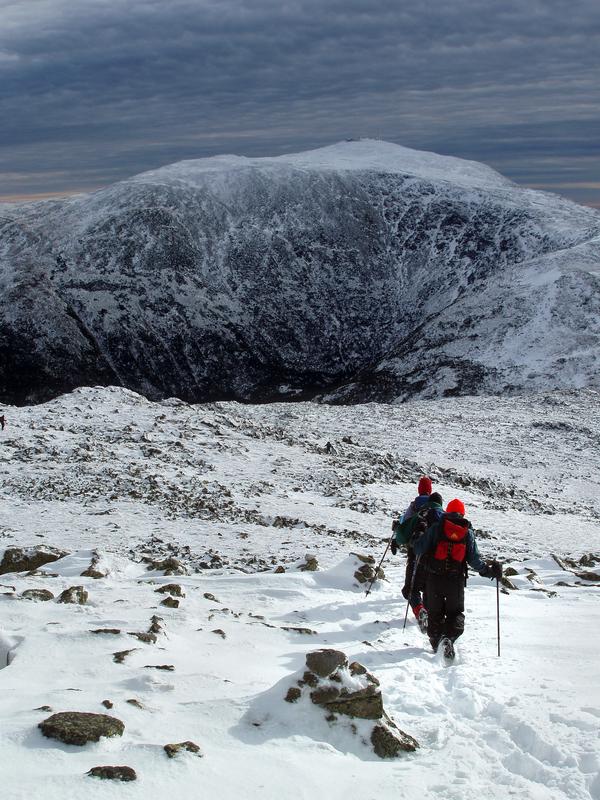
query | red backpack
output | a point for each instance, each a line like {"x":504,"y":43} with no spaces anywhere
{"x":452,"y":545}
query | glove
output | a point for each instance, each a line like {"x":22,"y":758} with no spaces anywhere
{"x":394,"y":546}
{"x":493,"y":569}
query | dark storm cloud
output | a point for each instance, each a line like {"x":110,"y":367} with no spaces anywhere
{"x":93,"y":91}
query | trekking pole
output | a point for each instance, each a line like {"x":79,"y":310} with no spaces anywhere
{"x":412,"y":581}
{"x":378,"y":568}
{"x":498,"y":612}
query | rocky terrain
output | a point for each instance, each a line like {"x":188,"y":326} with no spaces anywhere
{"x":352,"y":273}
{"x":182,"y":599}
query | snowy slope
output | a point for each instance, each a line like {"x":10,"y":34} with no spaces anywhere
{"x":353,"y":272}
{"x":233,"y":491}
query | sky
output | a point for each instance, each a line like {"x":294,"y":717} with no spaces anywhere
{"x":94,"y":91}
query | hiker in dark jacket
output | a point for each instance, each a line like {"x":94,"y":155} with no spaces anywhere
{"x":415,"y":589}
{"x":450,"y":545}
{"x":429,"y":507}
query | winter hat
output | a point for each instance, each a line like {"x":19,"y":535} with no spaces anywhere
{"x":425,"y":486}
{"x":456,"y":506}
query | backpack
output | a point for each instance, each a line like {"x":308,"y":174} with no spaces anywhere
{"x":404,"y":531}
{"x":451,"y":549}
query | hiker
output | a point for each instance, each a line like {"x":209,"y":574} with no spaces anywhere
{"x":2,"y":421}
{"x":424,"y":510}
{"x":450,"y":545}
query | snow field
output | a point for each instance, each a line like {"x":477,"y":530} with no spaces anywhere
{"x":106,"y":470}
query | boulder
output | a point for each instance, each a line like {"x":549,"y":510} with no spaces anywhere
{"x":90,"y":572}
{"x":172,"y":589}
{"x":310,"y":564}
{"x":170,"y":602}
{"x":324,"y":662}
{"x":74,"y":594}
{"x":38,"y":594}
{"x":170,"y":566}
{"x":79,"y":728}
{"x":190,"y":747}
{"x":113,"y":773}
{"x":349,"y":692}
{"x":389,"y":742}
{"x":22,"y":559}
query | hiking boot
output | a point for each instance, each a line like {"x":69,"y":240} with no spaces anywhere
{"x":423,"y":620}
{"x":447,"y":649}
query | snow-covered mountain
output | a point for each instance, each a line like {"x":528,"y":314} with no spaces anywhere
{"x":356,"y":272}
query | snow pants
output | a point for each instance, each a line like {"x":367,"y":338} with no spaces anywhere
{"x":445,"y":606}
{"x":414,"y":582}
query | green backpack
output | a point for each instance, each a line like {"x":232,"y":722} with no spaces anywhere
{"x":403,"y":531}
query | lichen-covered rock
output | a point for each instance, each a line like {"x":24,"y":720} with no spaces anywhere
{"x":91,"y":572}
{"x":326,"y":661}
{"x":79,"y":728}
{"x":293,"y":694}
{"x":170,"y":566}
{"x":172,"y":589}
{"x":310,"y":564}
{"x":170,"y":602}
{"x":144,"y":636}
{"x":21,"y":559}
{"x":190,"y":747}
{"x":279,"y":570}
{"x":388,"y":743}
{"x":113,"y":773}
{"x":74,"y":594}
{"x":38,"y":594}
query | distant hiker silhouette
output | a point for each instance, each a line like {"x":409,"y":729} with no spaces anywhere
{"x":2,"y":421}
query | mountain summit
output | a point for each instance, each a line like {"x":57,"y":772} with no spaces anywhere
{"x":360,"y":271}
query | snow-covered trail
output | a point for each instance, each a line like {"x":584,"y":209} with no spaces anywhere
{"x":526,"y":724}
{"x":235,"y":491}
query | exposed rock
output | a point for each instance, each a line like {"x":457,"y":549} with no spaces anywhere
{"x":388,"y":743}
{"x":280,"y":570}
{"x":21,"y":559}
{"x":220,"y":632}
{"x":76,"y":727}
{"x":366,"y":559}
{"x":47,"y":709}
{"x":38,"y":594}
{"x":133,"y":702}
{"x":90,"y":572}
{"x":171,"y":588}
{"x":507,"y":583}
{"x":310,"y":564}
{"x":170,"y":566}
{"x":293,"y":694}
{"x":357,"y":669}
{"x":211,"y":597}
{"x":113,"y":773}
{"x":121,"y":655}
{"x":107,"y":704}
{"x":74,"y":594}
{"x":324,"y":662}
{"x":588,"y":576}
{"x":170,"y":602}
{"x":155,"y":626}
{"x":147,"y":638}
{"x":306,"y":631}
{"x":173,"y":749}
{"x":111,"y":631}
{"x":165,"y":667}
{"x":510,"y":572}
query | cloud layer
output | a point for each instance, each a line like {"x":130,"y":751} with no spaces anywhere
{"x":97,"y":90}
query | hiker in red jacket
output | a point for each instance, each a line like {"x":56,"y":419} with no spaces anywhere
{"x":450,"y":545}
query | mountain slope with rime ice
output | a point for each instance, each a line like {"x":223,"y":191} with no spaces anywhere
{"x":350,"y":273}
{"x":233,"y":491}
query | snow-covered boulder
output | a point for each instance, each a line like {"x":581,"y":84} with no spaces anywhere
{"x":22,"y":559}
{"x":350,"y":691}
